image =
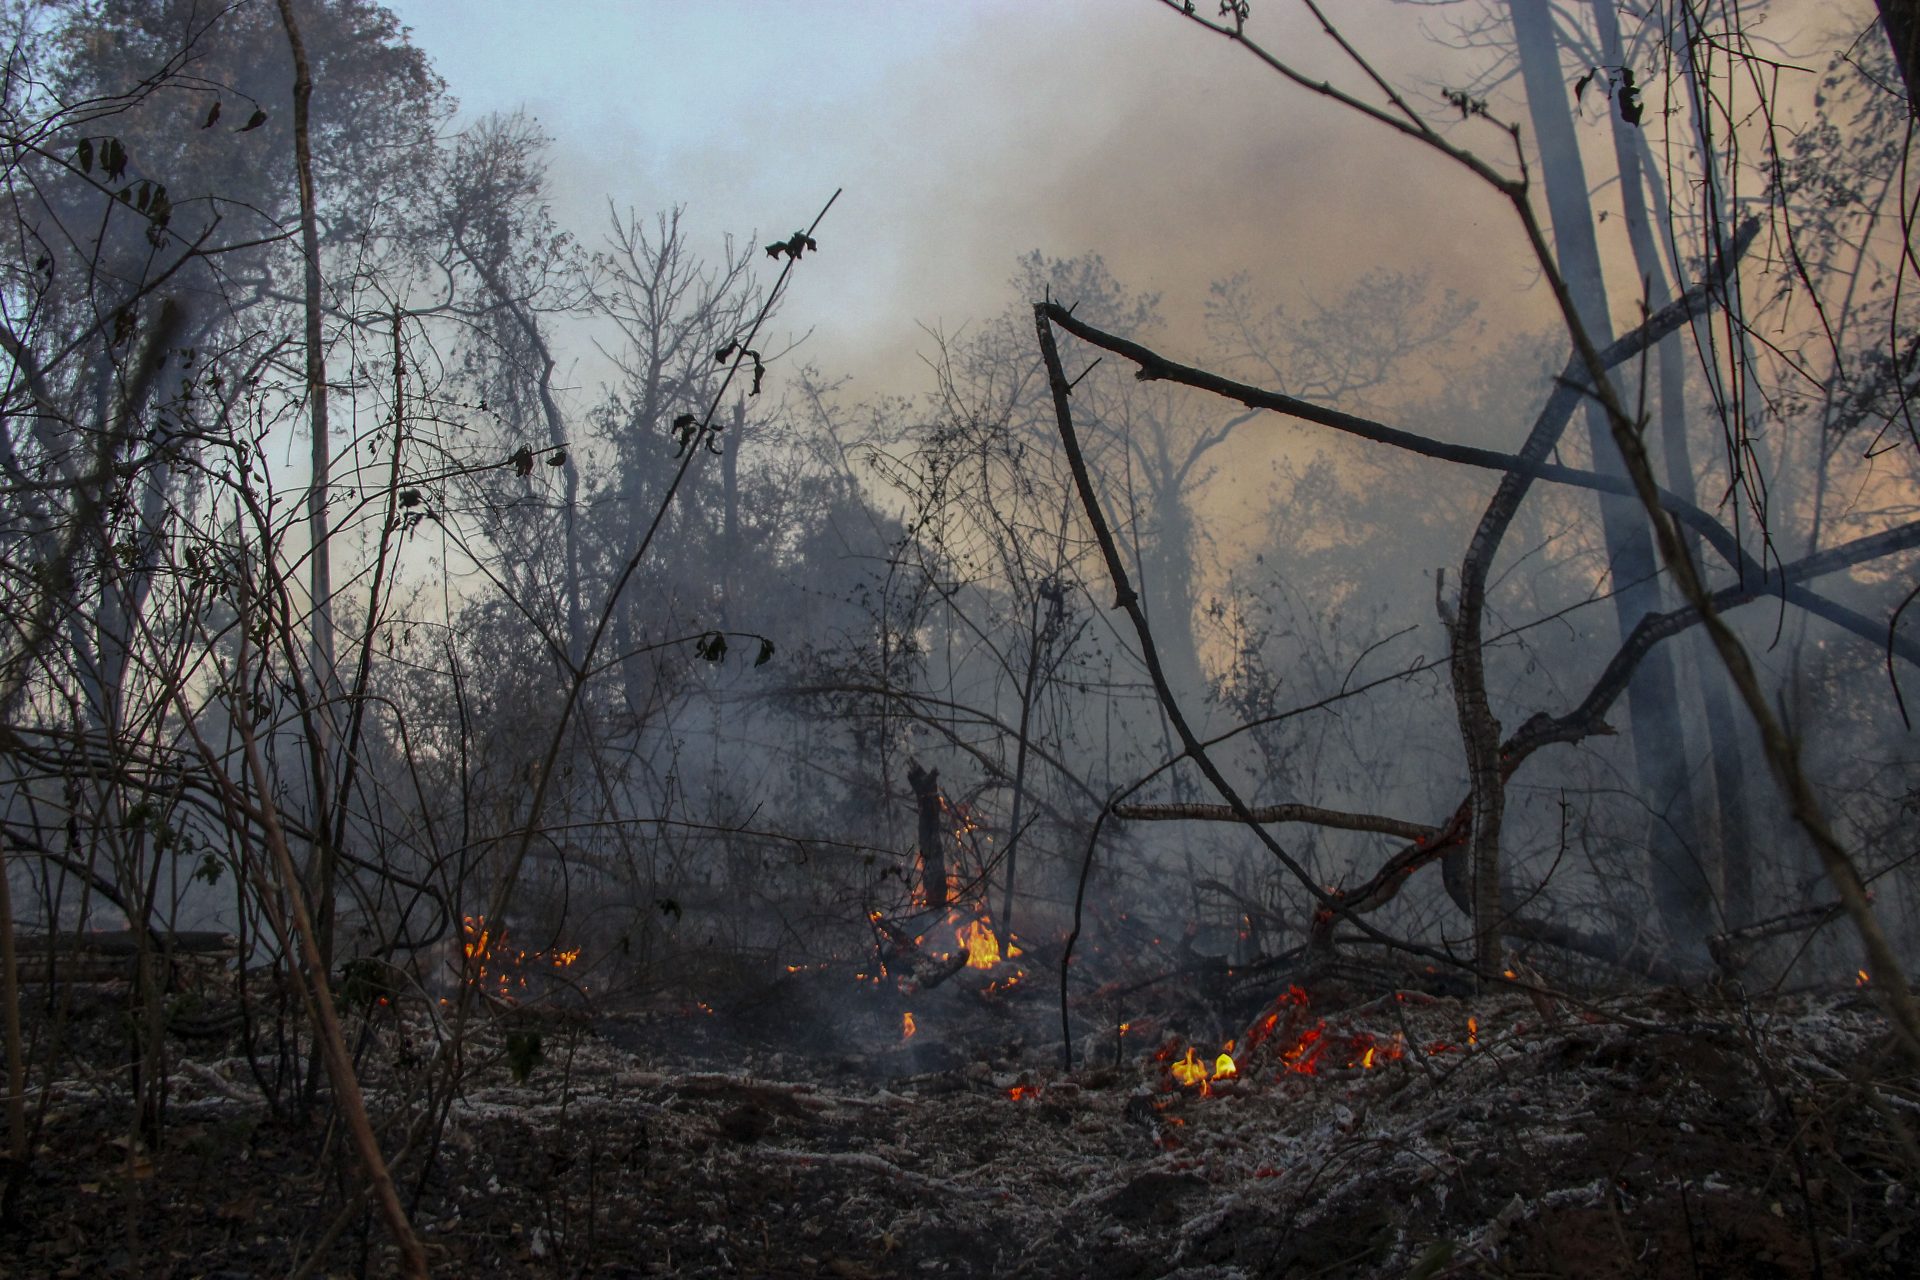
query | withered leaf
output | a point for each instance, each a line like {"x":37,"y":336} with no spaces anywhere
{"x":795,"y":245}
{"x":1631,"y":109}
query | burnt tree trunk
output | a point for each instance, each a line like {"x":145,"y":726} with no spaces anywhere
{"x":933,"y":854}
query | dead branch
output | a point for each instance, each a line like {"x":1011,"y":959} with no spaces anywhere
{"x":1307,"y":813}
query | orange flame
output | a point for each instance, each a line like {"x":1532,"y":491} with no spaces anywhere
{"x":907,"y":1027}
{"x":1473,"y":1031}
{"x":983,"y":949}
{"x":1189,"y":1071}
{"x":1192,"y":1072}
{"x":490,"y":963}
{"x":1861,"y":979}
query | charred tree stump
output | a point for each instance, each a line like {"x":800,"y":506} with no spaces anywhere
{"x":933,"y":854}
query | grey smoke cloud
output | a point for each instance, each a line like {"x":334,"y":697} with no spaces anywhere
{"x":965,"y":137}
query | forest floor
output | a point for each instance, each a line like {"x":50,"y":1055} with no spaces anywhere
{"x":1367,"y":1134}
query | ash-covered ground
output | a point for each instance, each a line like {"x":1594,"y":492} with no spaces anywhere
{"x":796,"y":1130}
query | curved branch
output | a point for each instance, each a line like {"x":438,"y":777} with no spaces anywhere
{"x":1309,"y":813}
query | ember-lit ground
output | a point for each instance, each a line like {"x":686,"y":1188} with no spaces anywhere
{"x":1645,"y":1135}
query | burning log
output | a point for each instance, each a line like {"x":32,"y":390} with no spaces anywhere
{"x":976,"y":951}
{"x":925,"y":970}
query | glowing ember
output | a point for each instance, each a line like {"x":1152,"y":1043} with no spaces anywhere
{"x":1223,"y":1067}
{"x":1304,"y":1057}
{"x":1023,"y":1092}
{"x":1861,"y":978}
{"x":907,"y":1027}
{"x":1473,"y":1031}
{"x":492,"y":966}
{"x":1303,"y":1045}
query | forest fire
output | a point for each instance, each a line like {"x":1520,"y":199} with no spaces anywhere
{"x":503,"y":972}
{"x":982,"y":947}
{"x":1189,"y":1071}
{"x":914,"y":955}
{"x":1284,"y":1041}
{"x":1192,"y":1072}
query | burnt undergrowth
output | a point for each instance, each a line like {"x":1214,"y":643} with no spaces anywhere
{"x":790,"y":1126}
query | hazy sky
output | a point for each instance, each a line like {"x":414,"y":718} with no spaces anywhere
{"x":965,"y":134}
{"x":968,"y":133}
